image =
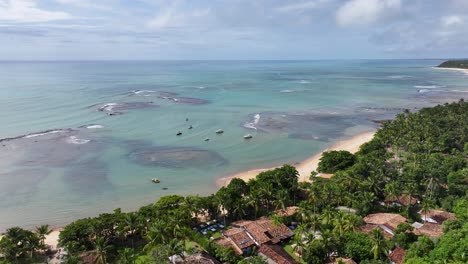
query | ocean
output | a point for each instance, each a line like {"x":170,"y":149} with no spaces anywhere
{"x":83,"y":138}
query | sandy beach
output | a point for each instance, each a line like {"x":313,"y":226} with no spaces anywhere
{"x":307,"y":166}
{"x":465,"y":71}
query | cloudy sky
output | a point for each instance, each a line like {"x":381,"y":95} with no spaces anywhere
{"x":232,"y":29}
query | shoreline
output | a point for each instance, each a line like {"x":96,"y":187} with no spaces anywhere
{"x":452,"y":69}
{"x":308,"y":165}
{"x":304,"y":168}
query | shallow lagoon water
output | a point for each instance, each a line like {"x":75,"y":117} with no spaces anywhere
{"x":94,"y":162}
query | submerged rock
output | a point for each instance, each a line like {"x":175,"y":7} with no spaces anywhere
{"x":176,"y":157}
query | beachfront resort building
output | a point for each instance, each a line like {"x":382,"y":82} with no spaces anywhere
{"x":263,"y":234}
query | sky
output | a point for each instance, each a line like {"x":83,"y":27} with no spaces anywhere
{"x":232,"y":29}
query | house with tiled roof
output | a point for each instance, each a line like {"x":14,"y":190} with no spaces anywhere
{"x":437,"y":216}
{"x":402,"y":200}
{"x":245,"y":234}
{"x":397,"y":256}
{"x":275,"y":254}
{"x":387,"y":222}
{"x":432,"y":225}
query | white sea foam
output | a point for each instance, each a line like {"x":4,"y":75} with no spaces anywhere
{"x":45,"y":133}
{"x":94,"y":126}
{"x":427,"y":86}
{"x":108,"y":107}
{"x":459,"y":91}
{"x":287,"y":91}
{"x":304,"y":81}
{"x":253,"y":124}
{"x":136,"y":92}
{"x":76,"y":140}
{"x":399,"y":76}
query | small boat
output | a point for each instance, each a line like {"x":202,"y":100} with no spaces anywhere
{"x":186,"y":119}
{"x":248,"y":136}
{"x":156,"y":180}
{"x":179,"y":133}
{"x":190,"y":127}
{"x":207,"y":139}
{"x":219,"y":131}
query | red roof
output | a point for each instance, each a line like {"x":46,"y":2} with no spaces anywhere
{"x":276,"y":254}
{"x":397,"y":255}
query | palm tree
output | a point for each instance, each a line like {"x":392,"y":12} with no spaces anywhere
{"x":281,"y":199}
{"x":426,"y":207}
{"x":42,"y":231}
{"x":101,"y":249}
{"x":254,"y":200}
{"x":379,"y":248}
{"x":157,"y":233}
{"x":176,"y":247}
{"x":126,"y":256}
{"x":131,"y":221}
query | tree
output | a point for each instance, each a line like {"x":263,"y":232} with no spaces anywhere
{"x":131,"y":225}
{"x":404,"y":236}
{"x":42,"y":231}
{"x":379,"y":247}
{"x":101,"y":249}
{"x":332,"y":161}
{"x":421,"y":248}
{"x":357,"y":246}
{"x":253,"y":260}
{"x":17,"y":243}
{"x":126,"y":256}
{"x":426,"y":207}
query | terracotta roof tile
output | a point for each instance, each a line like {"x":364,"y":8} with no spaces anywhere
{"x":225,"y":242}
{"x":242,"y":240}
{"x":383,"y":218}
{"x":276,"y":254}
{"x":439,"y":215}
{"x":403,"y":199}
{"x":280,"y":231}
{"x":257,"y":232}
{"x":367,"y":228}
{"x":430,"y":229}
{"x":290,"y":210}
{"x":397,"y":255}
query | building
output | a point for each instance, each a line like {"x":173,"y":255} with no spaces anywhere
{"x":432,"y":225}
{"x":402,"y":200}
{"x":244,"y":235}
{"x":397,"y":256}
{"x":387,"y":222}
{"x":436,"y":216}
{"x":275,"y":254}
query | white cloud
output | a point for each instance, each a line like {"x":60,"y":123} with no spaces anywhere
{"x":300,"y":6}
{"x":28,"y":11}
{"x":171,"y":18}
{"x":453,"y":20}
{"x":364,"y":12}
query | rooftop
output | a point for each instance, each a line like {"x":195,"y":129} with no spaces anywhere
{"x":290,"y":210}
{"x":437,"y":216}
{"x":430,"y":229}
{"x":276,"y":253}
{"x":403,"y":199}
{"x":397,"y":255}
{"x":389,"y":220}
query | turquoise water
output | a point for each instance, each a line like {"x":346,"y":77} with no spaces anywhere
{"x":95,"y":161}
